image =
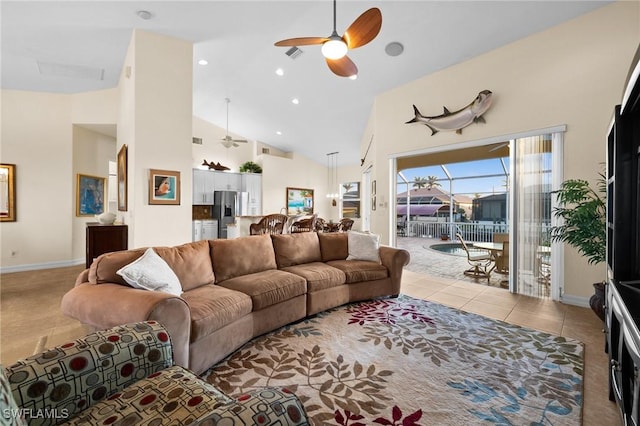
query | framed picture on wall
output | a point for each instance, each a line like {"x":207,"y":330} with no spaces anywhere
{"x":299,"y":201}
{"x":164,"y":187}
{"x":90,"y":193}
{"x":7,"y":192}
{"x":122,"y":179}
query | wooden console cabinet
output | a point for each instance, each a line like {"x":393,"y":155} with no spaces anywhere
{"x":104,"y":239}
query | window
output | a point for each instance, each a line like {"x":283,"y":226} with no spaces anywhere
{"x":350,"y":196}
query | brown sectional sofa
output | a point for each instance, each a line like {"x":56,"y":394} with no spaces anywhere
{"x":234,"y":290}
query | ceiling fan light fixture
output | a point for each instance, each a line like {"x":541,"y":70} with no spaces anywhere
{"x":353,"y":77}
{"x":335,"y":48}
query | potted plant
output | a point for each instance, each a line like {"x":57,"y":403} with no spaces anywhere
{"x":250,"y":167}
{"x":583,"y":213}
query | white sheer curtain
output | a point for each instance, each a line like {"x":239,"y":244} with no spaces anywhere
{"x":532,"y":183}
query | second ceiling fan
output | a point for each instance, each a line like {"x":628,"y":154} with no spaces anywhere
{"x":335,"y":47}
{"x":228,"y":141}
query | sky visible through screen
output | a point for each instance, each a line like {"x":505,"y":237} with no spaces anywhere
{"x":475,"y":169}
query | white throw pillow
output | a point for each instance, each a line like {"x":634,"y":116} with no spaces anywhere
{"x":151,"y":272}
{"x":363,"y":246}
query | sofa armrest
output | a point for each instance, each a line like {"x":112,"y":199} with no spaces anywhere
{"x":72,"y":377}
{"x":394,"y":259}
{"x":264,"y":406}
{"x":107,"y":305}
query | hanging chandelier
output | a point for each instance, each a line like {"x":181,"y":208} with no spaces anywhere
{"x":332,"y":177}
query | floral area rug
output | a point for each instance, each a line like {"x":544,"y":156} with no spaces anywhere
{"x":407,"y":362}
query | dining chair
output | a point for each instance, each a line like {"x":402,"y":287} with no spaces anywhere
{"x":346,"y":224}
{"x":479,"y":261}
{"x":269,"y":224}
{"x":304,"y":224}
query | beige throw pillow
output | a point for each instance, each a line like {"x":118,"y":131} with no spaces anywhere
{"x":151,"y":272}
{"x":363,"y":246}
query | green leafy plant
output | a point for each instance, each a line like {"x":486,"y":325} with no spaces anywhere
{"x":583,"y":212}
{"x":250,"y":167}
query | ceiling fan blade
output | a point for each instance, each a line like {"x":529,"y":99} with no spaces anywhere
{"x":364,"y":29}
{"x":301,"y":41}
{"x":240,"y":140}
{"x":344,"y":67}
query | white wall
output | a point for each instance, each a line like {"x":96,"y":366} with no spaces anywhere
{"x":213,"y":151}
{"x":571,"y":74}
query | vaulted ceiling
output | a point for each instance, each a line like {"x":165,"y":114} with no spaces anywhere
{"x":87,"y":41}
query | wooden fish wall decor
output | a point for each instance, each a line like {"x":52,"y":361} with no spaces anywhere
{"x":456,"y":120}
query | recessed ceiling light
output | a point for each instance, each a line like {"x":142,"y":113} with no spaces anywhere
{"x":279,"y":133}
{"x":295,"y":101}
{"x":144,"y":14}
{"x":280,"y":72}
{"x":203,"y":62}
{"x":394,"y":48}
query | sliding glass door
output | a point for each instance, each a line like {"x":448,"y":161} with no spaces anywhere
{"x":533,"y":161}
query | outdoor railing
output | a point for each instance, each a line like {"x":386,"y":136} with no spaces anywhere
{"x":479,"y":232}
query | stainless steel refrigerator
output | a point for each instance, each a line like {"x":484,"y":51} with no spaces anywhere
{"x":226,"y":206}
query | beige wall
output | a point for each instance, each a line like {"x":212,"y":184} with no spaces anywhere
{"x":155,"y":122}
{"x":572,"y":75}
{"x":92,"y":152}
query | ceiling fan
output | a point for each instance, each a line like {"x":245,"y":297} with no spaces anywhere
{"x":334,"y":48}
{"x":228,"y":141}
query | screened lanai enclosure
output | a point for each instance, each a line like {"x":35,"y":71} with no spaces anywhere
{"x":491,"y":199}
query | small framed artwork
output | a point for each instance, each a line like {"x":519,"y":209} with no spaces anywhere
{"x":7,"y":192}
{"x":90,"y":193}
{"x":122,"y":179}
{"x":299,"y":201}
{"x":164,"y":187}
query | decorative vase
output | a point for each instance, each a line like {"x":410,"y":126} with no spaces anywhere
{"x":106,"y":218}
{"x":597,"y":300}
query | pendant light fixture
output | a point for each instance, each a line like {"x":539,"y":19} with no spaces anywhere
{"x":332,"y":177}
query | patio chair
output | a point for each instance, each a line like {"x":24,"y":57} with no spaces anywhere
{"x":479,"y":262}
{"x":502,"y":258}
{"x":269,"y":224}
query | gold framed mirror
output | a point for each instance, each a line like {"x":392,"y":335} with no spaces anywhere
{"x":7,"y":192}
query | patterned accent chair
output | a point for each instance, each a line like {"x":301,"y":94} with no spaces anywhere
{"x":269,"y":224}
{"x":346,"y":224}
{"x":125,"y":375}
{"x":304,"y":224}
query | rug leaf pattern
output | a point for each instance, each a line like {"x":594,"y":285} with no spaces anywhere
{"x":406,"y":361}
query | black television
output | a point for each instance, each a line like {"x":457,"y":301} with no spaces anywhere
{"x":623,"y":183}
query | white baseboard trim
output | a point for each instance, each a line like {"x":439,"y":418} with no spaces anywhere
{"x":570,"y":299}
{"x":38,"y":266}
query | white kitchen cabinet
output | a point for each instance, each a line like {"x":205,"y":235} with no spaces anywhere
{"x":203,"y":187}
{"x":225,"y":181}
{"x":252,"y":184}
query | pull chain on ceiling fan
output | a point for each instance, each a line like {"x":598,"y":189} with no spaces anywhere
{"x":228,"y":141}
{"x":334,"y":48}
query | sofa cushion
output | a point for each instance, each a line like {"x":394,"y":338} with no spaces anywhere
{"x":213,"y":307}
{"x":268,"y":287}
{"x":104,"y":267}
{"x":191,"y":262}
{"x":151,"y":272}
{"x":363,"y":246}
{"x":360,"y":270}
{"x":171,"y":396}
{"x":333,"y":245}
{"x":319,"y":275}
{"x":242,"y":256}
{"x":294,"y":249}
